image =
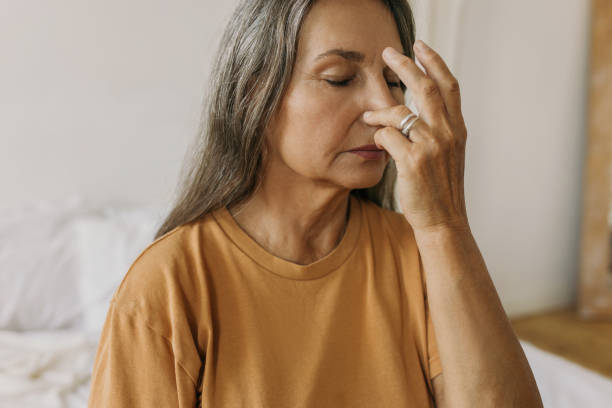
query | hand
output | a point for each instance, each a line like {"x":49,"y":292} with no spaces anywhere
{"x":430,"y":162}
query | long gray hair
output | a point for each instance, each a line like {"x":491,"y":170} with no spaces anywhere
{"x":253,"y":66}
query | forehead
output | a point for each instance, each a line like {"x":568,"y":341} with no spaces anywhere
{"x":366,"y":26}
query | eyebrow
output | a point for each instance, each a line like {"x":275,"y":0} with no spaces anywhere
{"x":346,"y":54}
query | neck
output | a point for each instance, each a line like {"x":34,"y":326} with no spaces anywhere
{"x":298,"y":230}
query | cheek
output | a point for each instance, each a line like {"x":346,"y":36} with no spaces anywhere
{"x":318,"y":118}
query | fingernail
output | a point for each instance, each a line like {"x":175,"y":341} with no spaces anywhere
{"x":367,"y":115}
{"x":390,"y":52}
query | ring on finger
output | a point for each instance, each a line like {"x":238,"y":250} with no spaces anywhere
{"x":406,"y":129}
{"x":406,"y":119}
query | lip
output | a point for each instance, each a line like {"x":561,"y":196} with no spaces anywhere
{"x":368,"y":147}
{"x":369,"y":154}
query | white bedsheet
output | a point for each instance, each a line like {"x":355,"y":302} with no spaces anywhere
{"x":564,"y":384}
{"x":46,"y":368}
{"x":49,"y":369}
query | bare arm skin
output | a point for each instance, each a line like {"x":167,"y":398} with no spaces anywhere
{"x":483,"y":362}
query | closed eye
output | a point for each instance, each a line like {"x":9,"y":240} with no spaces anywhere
{"x":339,"y":83}
{"x":346,"y":82}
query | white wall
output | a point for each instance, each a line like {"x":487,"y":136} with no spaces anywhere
{"x":524,"y":75}
{"x":102,"y":98}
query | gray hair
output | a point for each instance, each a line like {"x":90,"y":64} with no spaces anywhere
{"x":252,"y":69}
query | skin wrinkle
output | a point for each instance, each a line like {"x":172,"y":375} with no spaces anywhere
{"x":299,"y":212}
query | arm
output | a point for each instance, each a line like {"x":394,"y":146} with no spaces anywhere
{"x":136,"y":367}
{"x":438,"y":386}
{"x":483,"y":362}
{"x":472,"y":330}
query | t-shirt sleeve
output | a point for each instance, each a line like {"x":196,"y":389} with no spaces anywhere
{"x":435,"y":367}
{"x":135,"y":367}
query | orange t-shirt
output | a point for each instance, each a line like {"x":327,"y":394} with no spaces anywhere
{"x":207,"y":317}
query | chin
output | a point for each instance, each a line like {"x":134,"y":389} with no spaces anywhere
{"x":365,"y":179}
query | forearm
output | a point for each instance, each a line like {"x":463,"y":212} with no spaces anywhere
{"x":482,"y":360}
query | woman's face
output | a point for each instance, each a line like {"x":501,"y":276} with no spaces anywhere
{"x":318,"y":122}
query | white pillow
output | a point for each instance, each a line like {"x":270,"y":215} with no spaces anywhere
{"x":108,"y":242}
{"x":38,"y":266}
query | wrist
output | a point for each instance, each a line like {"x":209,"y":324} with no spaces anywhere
{"x":442,"y":231}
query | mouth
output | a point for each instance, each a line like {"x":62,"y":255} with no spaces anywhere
{"x":367,"y":148}
{"x":370,"y":154}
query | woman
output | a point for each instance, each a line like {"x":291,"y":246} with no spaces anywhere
{"x":284,"y":277}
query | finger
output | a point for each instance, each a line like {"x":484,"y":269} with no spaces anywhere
{"x":422,"y":86}
{"x":395,"y":143}
{"x":437,"y":69}
{"x":394,"y":117}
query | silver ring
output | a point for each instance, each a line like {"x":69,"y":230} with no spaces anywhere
{"x":409,"y":126}
{"x":406,"y":119}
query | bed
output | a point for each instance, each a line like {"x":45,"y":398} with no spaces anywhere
{"x":61,"y":261}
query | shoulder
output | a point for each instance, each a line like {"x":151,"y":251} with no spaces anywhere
{"x":393,"y":235}
{"x":156,"y":316}
{"x":167,"y":275}
{"x":384,"y":220}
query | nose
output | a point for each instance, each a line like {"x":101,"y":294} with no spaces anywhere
{"x":379,"y":95}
